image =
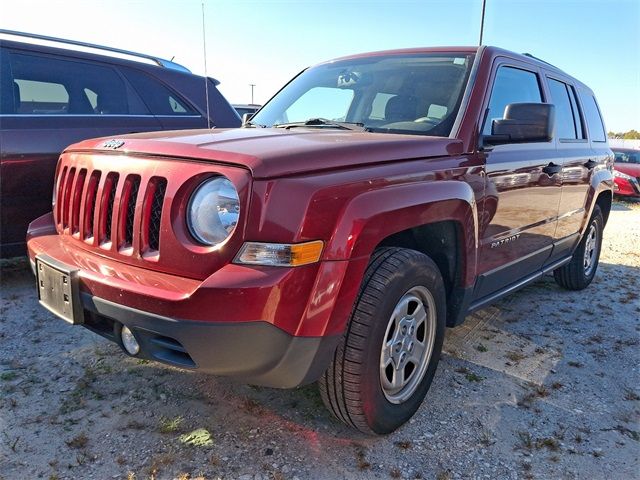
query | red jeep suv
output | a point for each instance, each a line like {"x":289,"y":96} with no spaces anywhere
{"x":374,"y":201}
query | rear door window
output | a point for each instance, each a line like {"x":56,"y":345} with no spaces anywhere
{"x":37,"y":97}
{"x":511,"y":85}
{"x":46,"y":85}
{"x":565,"y":120}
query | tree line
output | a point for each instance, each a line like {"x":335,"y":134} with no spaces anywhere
{"x":630,"y":135}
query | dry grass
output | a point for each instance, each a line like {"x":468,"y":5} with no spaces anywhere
{"x":473,"y":377}
{"x":403,"y":444}
{"x":630,"y":395}
{"x":170,"y":425}
{"x":361,"y":459}
{"x":514,"y":356}
{"x":79,"y":441}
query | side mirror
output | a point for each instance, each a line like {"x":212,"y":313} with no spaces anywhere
{"x":523,"y":123}
{"x":245,"y":118}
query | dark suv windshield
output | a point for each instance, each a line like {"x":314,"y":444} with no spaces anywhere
{"x":413,"y":94}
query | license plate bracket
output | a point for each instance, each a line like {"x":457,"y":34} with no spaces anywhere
{"x":59,"y":289}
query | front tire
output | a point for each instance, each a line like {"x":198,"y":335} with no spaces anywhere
{"x":386,"y":362}
{"x":579,"y":272}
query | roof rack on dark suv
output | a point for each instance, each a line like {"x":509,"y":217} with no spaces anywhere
{"x":157,"y":60}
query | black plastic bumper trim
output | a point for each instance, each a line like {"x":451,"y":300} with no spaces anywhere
{"x":256,"y":352}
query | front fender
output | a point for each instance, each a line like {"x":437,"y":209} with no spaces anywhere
{"x":373,"y":216}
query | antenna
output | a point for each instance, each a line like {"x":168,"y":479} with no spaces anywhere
{"x":252,"y":85}
{"x":484,"y":4}
{"x":206,"y":78}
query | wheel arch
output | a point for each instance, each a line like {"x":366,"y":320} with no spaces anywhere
{"x":604,"y":201}
{"x":601,"y":194}
{"x":442,"y":242}
{"x":430,"y":218}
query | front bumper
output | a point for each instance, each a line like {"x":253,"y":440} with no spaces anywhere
{"x":256,"y":352}
{"x":255,"y":324}
{"x":627,"y":188}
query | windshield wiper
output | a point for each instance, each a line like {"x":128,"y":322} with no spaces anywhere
{"x":324,"y":122}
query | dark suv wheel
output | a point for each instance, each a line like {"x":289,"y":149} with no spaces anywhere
{"x":384,"y":366}
{"x":579,"y":272}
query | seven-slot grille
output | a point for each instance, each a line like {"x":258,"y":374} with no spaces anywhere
{"x":100,"y":208}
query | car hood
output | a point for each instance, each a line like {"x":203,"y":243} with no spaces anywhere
{"x":632,"y":169}
{"x":273,"y":152}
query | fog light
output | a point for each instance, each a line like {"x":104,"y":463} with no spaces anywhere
{"x":129,"y":342}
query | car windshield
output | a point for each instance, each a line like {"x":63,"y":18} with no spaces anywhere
{"x":404,"y":93}
{"x":627,"y":157}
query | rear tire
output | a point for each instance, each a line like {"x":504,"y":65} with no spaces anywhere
{"x":579,"y":272}
{"x":383,"y":367}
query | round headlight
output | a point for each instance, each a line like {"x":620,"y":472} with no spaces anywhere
{"x":213,"y":211}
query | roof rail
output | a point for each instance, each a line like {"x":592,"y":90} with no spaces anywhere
{"x":539,"y":59}
{"x":158,"y":61}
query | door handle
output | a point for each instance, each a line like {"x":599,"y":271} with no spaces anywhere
{"x":552,"y":169}
{"x":590,"y":164}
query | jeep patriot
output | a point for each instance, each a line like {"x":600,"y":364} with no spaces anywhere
{"x":372,"y":202}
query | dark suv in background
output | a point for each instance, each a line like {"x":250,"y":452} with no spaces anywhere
{"x":52,"y":97}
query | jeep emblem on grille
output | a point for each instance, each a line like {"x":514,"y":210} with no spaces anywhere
{"x":113,"y":144}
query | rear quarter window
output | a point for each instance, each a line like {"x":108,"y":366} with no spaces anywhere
{"x":160,"y":100}
{"x":593,"y":118}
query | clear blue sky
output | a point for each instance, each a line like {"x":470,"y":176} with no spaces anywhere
{"x":267,"y":42}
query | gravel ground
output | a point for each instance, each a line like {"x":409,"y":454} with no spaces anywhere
{"x":545,"y":384}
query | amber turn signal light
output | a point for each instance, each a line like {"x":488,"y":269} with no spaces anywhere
{"x":280,"y":254}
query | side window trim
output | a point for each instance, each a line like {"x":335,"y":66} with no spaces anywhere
{"x":577,"y":113}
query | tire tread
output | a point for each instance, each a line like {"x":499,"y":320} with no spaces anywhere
{"x":340,"y":384}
